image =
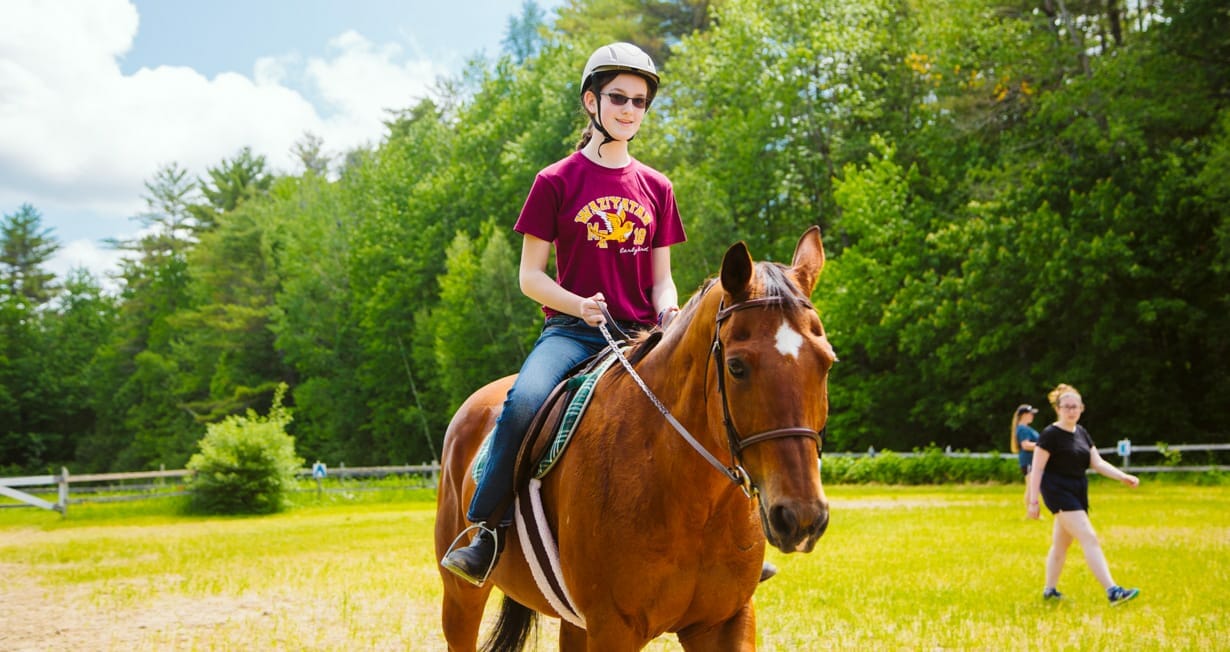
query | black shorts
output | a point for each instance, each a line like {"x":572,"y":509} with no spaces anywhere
{"x":1063,"y":493}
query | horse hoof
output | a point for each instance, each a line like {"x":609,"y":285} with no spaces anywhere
{"x":767,"y":571}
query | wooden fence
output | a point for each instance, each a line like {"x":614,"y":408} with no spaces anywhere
{"x":141,"y":485}
{"x":152,"y":484}
{"x":1124,"y":461}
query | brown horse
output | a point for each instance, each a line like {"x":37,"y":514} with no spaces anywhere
{"x":653,"y":536}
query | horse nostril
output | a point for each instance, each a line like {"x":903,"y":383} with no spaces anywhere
{"x":822,"y":523}
{"x":783,"y":520}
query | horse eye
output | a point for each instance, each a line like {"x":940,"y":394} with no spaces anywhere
{"x":736,"y":367}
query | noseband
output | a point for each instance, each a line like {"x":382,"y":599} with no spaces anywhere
{"x":737,"y":443}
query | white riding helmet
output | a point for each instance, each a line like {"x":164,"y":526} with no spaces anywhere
{"x":622,"y":57}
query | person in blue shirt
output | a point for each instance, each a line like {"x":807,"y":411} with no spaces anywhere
{"x":1024,"y":437}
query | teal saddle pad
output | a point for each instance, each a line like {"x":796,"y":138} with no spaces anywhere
{"x":582,"y":386}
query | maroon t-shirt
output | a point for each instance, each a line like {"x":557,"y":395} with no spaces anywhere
{"x":604,"y":224}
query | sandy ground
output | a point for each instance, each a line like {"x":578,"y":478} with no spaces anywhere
{"x":79,"y":618}
{"x":118,"y":618}
{"x":35,"y":619}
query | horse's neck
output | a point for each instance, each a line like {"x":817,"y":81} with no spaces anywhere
{"x":678,"y":372}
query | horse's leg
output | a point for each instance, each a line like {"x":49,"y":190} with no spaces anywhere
{"x":736,"y":634}
{"x":571,"y":638}
{"x":462,"y":613}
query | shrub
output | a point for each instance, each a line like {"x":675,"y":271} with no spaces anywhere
{"x":247,"y":464}
{"x":1212,"y":479}
{"x":926,"y":466}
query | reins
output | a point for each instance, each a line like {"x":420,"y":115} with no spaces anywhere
{"x":736,"y":473}
{"x":738,"y":476}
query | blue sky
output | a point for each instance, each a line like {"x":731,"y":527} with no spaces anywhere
{"x":229,"y":35}
{"x":96,"y":95}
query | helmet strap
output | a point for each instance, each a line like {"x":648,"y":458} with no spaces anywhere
{"x":596,"y":121}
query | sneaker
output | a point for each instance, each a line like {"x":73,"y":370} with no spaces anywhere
{"x":1052,"y":594}
{"x":474,"y":562}
{"x":1118,"y":595}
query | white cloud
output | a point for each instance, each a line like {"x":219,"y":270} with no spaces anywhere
{"x":363,"y":79}
{"x":90,"y":255}
{"x":80,"y":136}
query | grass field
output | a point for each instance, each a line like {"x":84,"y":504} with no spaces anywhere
{"x":954,"y":567}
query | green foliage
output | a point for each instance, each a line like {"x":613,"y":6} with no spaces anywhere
{"x":482,"y":324}
{"x":230,"y":183}
{"x":654,"y":25}
{"x":134,"y":374}
{"x":1170,"y":456}
{"x":224,"y":340}
{"x":927,"y":466}
{"x":1010,"y":199}
{"x":313,"y":317}
{"x":523,"y":37}
{"x":1212,"y":479}
{"x":25,"y":246}
{"x":246,"y":464}
{"x":45,"y":387}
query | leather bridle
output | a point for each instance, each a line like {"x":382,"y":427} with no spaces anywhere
{"x":737,"y":444}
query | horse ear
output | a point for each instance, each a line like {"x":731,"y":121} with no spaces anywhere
{"x":737,"y":270}
{"x":809,"y":259}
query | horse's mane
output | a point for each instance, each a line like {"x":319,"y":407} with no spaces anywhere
{"x":771,"y":281}
{"x":642,"y":343}
{"x":774,"y":282}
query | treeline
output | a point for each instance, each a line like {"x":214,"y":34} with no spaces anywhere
{"x":1013,"y":194}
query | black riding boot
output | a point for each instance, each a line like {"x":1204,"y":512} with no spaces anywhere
{"x":473,"y":562}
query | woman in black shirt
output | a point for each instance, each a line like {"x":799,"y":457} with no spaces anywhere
{"x":1063,"y":453}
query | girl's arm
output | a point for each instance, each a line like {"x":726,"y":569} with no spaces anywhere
{"x":539,"y":286}
{"x":665,"y":295}
{"x":1097,"y":463}
{"x":1034,"y":491}
{"x":1029,"y":444}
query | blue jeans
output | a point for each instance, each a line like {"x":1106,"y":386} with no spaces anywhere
{"x":564,"y":343}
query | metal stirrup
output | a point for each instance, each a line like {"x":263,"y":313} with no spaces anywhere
{"x":494,"y":535}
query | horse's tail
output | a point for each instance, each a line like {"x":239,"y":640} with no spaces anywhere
{"x":513,"y":628}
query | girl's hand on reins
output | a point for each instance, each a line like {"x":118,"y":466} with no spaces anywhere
{"x":591,"y":310}
{"x":667,"y":316}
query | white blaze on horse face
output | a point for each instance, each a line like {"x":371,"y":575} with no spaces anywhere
{"x":789,"y":341}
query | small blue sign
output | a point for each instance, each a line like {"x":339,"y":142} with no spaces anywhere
{"x":319,"y":471}
{"x":1125,"y":447}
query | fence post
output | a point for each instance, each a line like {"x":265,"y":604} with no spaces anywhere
{"x":62,"y":502}
{"x":1125,"y":451}
{"x":319,"y":471}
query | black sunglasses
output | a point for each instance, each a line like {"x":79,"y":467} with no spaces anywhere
{"x":619,"y":99}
